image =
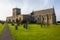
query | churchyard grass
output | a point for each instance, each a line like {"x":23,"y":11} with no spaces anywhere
{"x":1,"y":28}
{"x":36,"y":32}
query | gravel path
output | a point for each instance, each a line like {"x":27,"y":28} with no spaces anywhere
{"x":6,"y":34}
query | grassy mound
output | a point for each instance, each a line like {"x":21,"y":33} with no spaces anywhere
{"x":35,"y":32}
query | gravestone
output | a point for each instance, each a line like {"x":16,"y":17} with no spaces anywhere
{"x":16,"y":27}
{"x":13,"y":23}
{"x":26,"y":25}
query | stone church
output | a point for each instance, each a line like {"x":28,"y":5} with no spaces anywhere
{"x":46,"y":16}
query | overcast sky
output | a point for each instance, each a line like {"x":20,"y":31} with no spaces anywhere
{"x":27,"y":6}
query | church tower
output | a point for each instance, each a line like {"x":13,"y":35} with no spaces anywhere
{"x":16,"y":11}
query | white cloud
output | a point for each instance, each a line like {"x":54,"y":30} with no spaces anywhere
{"x":7,"y":5}
{"x":27,"y":6}
{"x":5,"y":9}
{"x":40,"y":4}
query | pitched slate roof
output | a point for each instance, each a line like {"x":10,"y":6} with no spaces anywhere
{"x":46,"y":11}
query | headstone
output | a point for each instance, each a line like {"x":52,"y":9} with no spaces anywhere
{"x":16,"y":27}
{"x":41,"y":24}
{"x":25,"y":25}
{"x":12,"y":24}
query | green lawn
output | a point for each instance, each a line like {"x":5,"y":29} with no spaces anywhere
{"x":35,"y":32}
{"x":1,"y":28}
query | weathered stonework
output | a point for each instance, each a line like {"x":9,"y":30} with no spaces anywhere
{"x":46,"y":16}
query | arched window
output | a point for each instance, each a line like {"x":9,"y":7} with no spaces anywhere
{"x":49,"y":17}
{"x":17,"y":20}
{"x":43,"y":18}
{"x":12,"y":20}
